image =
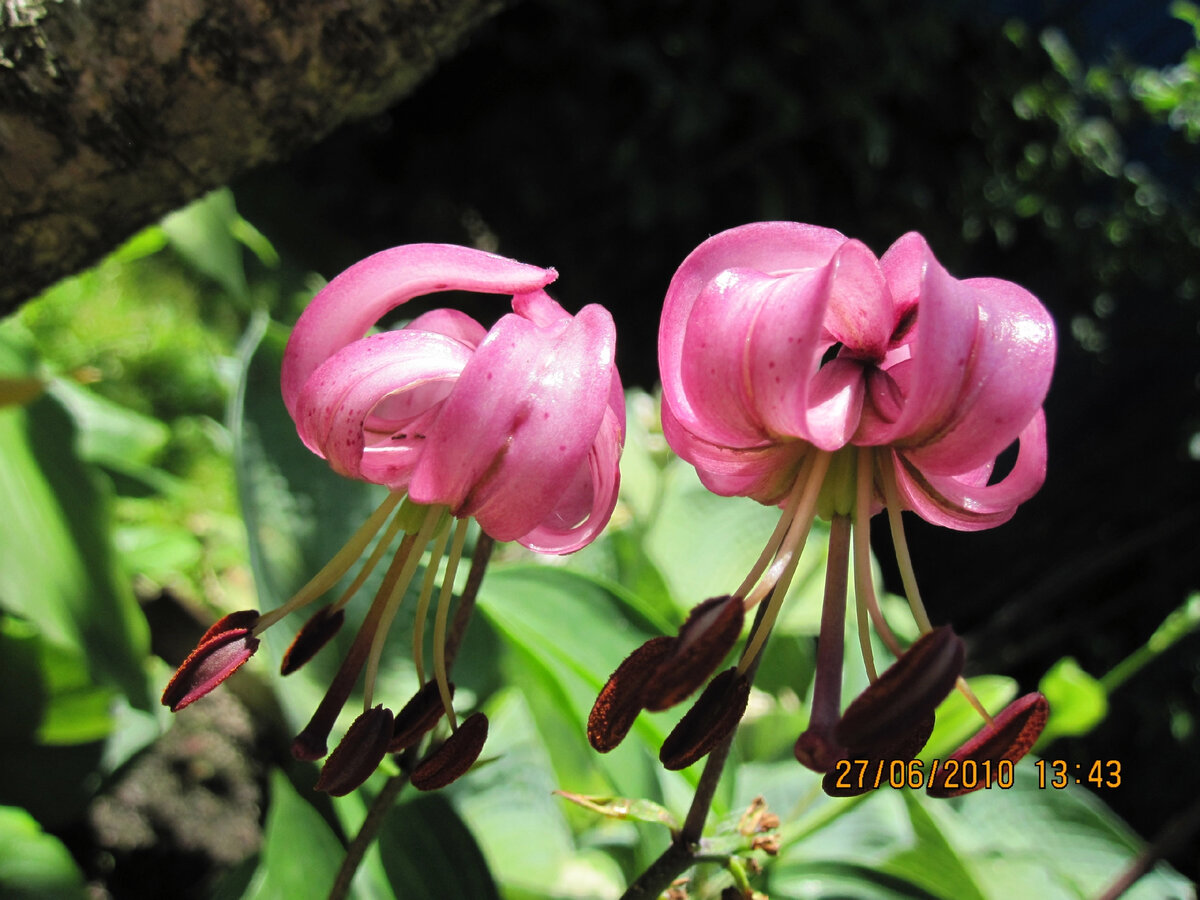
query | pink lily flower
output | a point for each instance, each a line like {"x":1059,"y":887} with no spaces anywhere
{"x":519,"y":427}
{"x":802,"y":371}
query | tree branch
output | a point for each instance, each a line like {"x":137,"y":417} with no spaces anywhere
{"x":114,"y":112}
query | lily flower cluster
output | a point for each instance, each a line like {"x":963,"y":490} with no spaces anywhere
{"x":519,"y":427}
{"x":802,"y":371}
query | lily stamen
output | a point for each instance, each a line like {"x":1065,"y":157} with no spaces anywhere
{"x":332,"y":571}
{"x":436,"y":519}
{"x":439,"y":623}
{"x":778,"y":577}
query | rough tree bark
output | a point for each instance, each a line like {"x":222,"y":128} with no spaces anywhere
{"x":113,"y":112}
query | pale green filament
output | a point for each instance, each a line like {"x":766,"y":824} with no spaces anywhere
{"x":778,"y":577}
{"x":909,"y":577}
{"x":903,"y":559}
{"x":433,"y":517}
{"x":439,"y":621}
{"x":864,"y":589}
{"x":781,"y":527}
{"x":435,"y":560}
{"x":381,"y":545}
{"x":336,"y":567}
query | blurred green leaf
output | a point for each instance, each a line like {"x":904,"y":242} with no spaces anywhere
{"x":300,"y":853}
{"x":429,"y":854}
{"x":56,"y":561}
{"x":203,"y":234}
{"x":33,"y":864}
{"x":1049,"y":844}
{"x":1078,"y":702}
{"x":932,"y":862}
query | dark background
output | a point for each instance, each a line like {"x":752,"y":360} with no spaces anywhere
{"x":609,"y":138}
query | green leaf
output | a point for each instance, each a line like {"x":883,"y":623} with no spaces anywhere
{"x":429,"y":854}
{"x":1045,"y":843}
{"x":575,"y":631}
{"x":932,"y":861}
{"x":1078,"y":702}
{"x":114,"y":436}
{"x":203,"y":234}
{"x":300,"y":853}
{"x":33,"y":864}
{"x":56,"y":562}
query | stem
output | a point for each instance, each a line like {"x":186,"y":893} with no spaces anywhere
{"x":683,"y":851}
{"x":384,"y":800}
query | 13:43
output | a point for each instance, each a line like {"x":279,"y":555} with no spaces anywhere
{"x":1058,"y":773}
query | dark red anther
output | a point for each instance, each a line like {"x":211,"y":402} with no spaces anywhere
{"x":218,"y":656}
{"x":1010,"y":736}
{"x":842,"y":782}
{"x":359,"y":754}
{"x":234,"y":621}
{"x":418,"y":717}
{"x":904,"y":695}
{"x":312,"y":636}
{"x":817,"y":750}
{"x":705,"y":639}
{"x":452,"y":759}
{"x":620,"y":701}
{"x":710,"y":720}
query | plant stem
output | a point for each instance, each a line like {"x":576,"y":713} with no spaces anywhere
{"x":685,"y":846}
{"x":384,"y":800}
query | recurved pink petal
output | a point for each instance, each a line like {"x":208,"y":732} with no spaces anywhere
{"x":771,"y":248}
{"x":1007,"y":378}
{"x":373,"y":395}
{"x":452,"y":323}
{"x":346,"y":308}
{"x":520,"y":422}
{"x":587,"y":505}
{"x":961,"y":502}
{"x":835,"y":403}
{"x":765,"y":472}
{"x":942,"y":340}
{"x":860,"y":313}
